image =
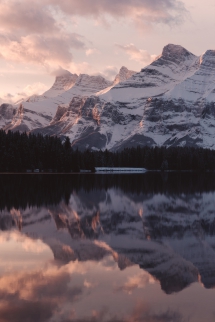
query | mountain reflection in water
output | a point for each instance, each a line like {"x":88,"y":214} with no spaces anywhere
{"x":107,"y":247}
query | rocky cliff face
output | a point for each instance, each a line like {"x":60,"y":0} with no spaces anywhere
{"x":39,"y":112}
{"x":170,"y":102}
{"x":62,"y":83}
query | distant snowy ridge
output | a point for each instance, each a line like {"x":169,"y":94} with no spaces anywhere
{"x":171,"y":102}
{"x":122,"y":76}
{"x":40,"y":111}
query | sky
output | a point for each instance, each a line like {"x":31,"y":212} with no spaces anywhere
{"x":39,"y":37}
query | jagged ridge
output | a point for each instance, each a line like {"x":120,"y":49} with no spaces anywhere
{"x":169,"y":102}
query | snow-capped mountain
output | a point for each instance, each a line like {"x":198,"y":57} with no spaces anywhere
{"x":122,"y":76}
{"x":62,"y":83}
{"x":169,"y":102}
{"x":39,"y":111}
{"x":132,"y":113}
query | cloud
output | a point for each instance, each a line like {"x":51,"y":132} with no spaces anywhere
{"x":141,"y":12}
{"x":92,"y":51}
{"x":28,"y":244}
{"x":40,"y":49}
{"x":142,"y":312}
{"x":29,"y":90}
{"x":60,"y":72}
{"x":134,"y":282}
{"x":6,"y":98}
{"x":139,"y":55}
{"x":26,"y":16}
{"x":33,"y":31}
{"x":33,"y":89}
{"x":21,"y":310}
{"x":30,"y":32}
{"x":81,"y":68}
{"x":110,"y":72}
{"x":36,"y":296}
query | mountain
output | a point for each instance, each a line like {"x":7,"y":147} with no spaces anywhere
{"x":170,"y":102}
{"x":63,"y":82}
{"x":122,"y":76}
{"x":52,"y":112}
{"x":130,"y":114}
{"x":38,"y":112}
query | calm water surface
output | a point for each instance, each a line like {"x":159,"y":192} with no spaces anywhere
{"x":97,"y":248}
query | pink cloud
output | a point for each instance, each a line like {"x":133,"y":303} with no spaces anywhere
{"x":33,"y":31}
{"x":26,"y":16}
{"x":45,"y":50}
{"x":136,"y":54}
{"x":154,"y":11}
{"x":30,"y":32}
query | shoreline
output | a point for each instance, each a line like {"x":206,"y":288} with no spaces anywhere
{"x":106,"y":172}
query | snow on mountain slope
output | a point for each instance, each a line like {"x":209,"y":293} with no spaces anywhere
{"x":200,"y":85}
{"x":174,"y":65}
{"x":68,"y":115}
{"x":39,"y":113}
{"x":122,"y":76}
{"x":62,"y":83}
{"x":170,"y":102}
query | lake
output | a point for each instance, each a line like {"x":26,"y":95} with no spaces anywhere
{"x":113,"y":247}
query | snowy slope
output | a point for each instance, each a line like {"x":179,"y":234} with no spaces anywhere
{"x":123,"y":75}
{"x":67,"y":115}
{"x":170,"y":102}
{"x":62,"y":83}
{"x":39,"y":112}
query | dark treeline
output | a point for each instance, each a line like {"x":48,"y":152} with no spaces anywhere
{"x":20,"y":191}
{"x":19,"y":152}
{"x":158,"y":158}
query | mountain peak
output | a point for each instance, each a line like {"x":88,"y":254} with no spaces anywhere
{"x":123,"y":75}
{"x":208,"y":59}
{"x":61,"y":72}
{"x":64,"y":81}
{"x":123,"y":68}
{"x":171,"y":51}
{"x":85,"y":78}
{"x":91,"y":84}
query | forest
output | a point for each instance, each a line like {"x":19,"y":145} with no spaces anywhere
{"x":21,"y":152}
